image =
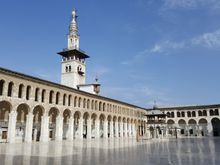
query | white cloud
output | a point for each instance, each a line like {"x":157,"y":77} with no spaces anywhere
{"x":137,"y":94}
{"x":210,"y":40}
{"x":191,"y":4}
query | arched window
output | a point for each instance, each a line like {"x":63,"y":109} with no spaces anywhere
{"x":84,"y":103}
{"x":20,"y":91}
{"x":178,"y":114}
{"x":88,"y":104}
{"x":10,"y":89}
{"x":193,"y":114}
{"x":104,"y":107}
{"x":69,"y":100}
{"x":70,"y":69}
{"x":172,"y":114}
{"x":188,"y":114}
{"x":92,"y":105}
{"x":43,"y":95}
{"x":79,"y":102}
{"x":2,"y":82}
{"x":66,"y":68}
{"x":28,"y":91}
{"x":57,"y":97}
{"x":96,"y":105}
{"x":200,"y":113}
{"x":216,"y":112}
{"x":100,"y":106}
{"x":51,"y":97}
{"x":64,"y":99}
{"x":75,"y":101}
{"x":204,"y":113}
{"x":183,"y":114}
{"x":211,"y":112}
{"x":36,"y":94}
{"x":168,"y":114}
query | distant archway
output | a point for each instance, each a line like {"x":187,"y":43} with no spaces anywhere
{"x":216,"y":126}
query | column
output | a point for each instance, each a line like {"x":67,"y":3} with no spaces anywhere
{"x":89,"y":128}
{"x":80,"y":129}
{"x":97,"y":122}
{"x":70,"y":129}
{"x":44,"y":128}
{"x":111,"y":129}
{"x":121,"y":129}
{"x":116,"y":129}
{"x":134,"y":130}
{"x":12,"y":126}
{"x":29,"y":127}
{"x":130,"y":129}
{"x":105,"y":135}
{"x":59,"y":128}
{"x":125,"y":130}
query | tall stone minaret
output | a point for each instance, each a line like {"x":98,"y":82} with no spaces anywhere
{"x":73,"y":66}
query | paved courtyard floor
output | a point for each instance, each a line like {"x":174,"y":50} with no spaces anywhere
{"x":189,"y":151}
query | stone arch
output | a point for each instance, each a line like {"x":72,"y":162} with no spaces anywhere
{"x":203,"y":121}
{"x":66,"y":116}
{"x":168,"y":114}
{"x":170,"y":122}
{"x":77,"y":114}
{"x":192,"y":122}
{"x":115,"y":118}
{"x":216,"y":126}
{"x":5,"y":109}
{"x":182,"y":122}
{"x":53,"y":113}
{"x":38,"y":112}
{"x":22,"y":110}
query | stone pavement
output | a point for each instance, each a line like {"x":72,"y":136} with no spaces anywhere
{"x":188,"y":151}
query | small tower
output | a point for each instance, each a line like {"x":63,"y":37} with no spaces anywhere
{"x":73,"y":71}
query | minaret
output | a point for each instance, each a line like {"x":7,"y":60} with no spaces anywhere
{"x":73,"y":71}
{"x":73,"y":36}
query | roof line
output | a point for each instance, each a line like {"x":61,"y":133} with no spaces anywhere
{"x":39,"y":80}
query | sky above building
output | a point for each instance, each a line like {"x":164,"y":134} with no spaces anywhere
{"x":142,"y":50}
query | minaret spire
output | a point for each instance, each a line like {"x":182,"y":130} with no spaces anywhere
{"x":73,"y":36}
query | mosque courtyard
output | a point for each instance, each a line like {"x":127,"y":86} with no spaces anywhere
{"x":185,"y":151}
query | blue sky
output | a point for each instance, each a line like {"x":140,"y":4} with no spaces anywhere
{"x":142,"y":50}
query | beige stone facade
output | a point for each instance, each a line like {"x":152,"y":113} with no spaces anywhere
{"x":32,"y":109}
